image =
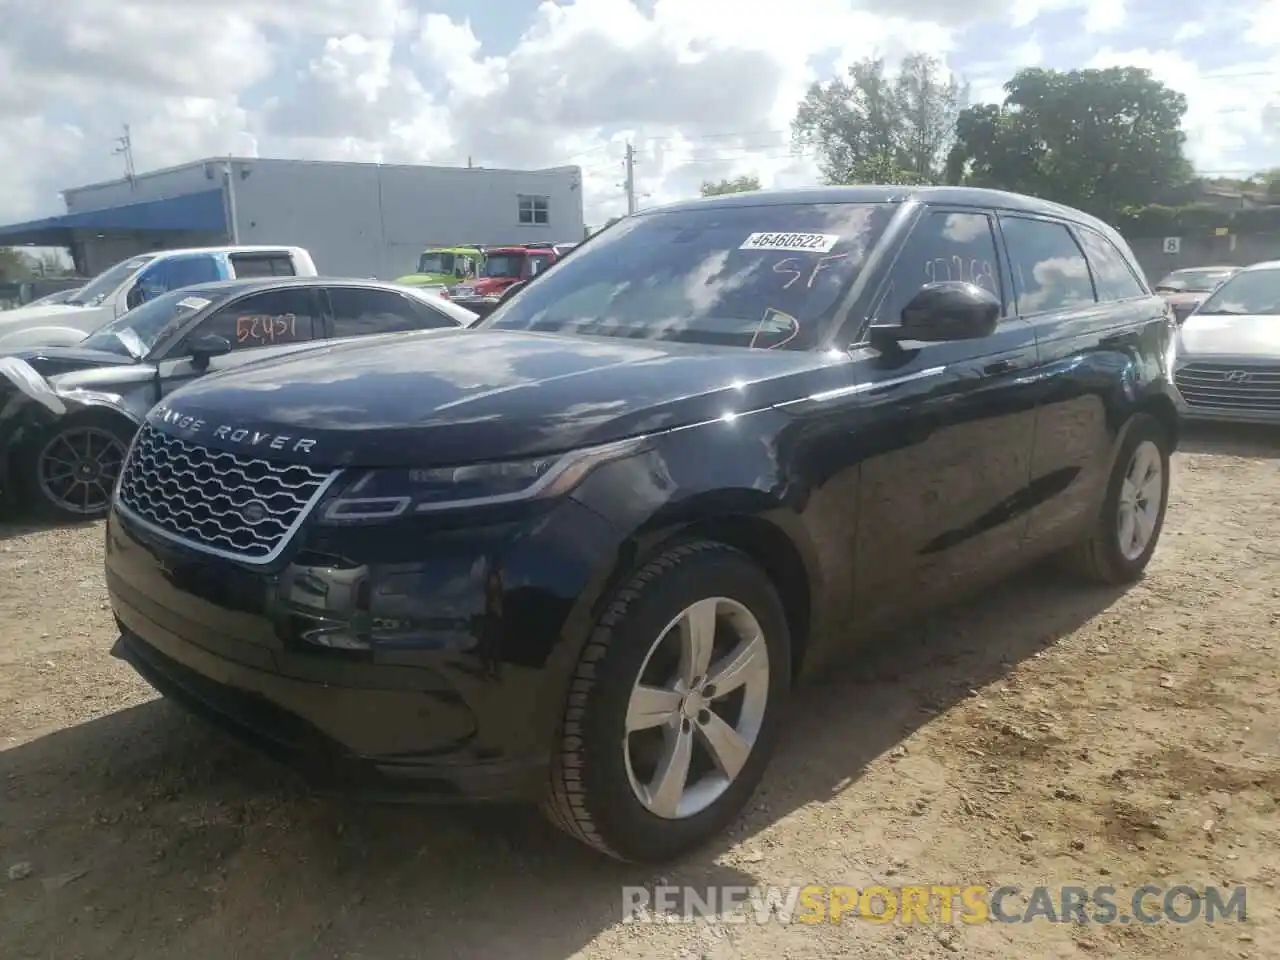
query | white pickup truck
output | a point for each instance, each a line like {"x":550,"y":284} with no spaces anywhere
{"x":141,"y":278}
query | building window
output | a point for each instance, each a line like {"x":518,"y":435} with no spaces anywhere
{"x":533,"y":211}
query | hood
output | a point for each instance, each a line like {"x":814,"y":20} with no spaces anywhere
{"x":488,"y":286}
{"x":449,"y":397}
{"x":51,"y":361}
{"x":48,"y":311}
{"x":425,"y":279}
{"x":1221,"y":335}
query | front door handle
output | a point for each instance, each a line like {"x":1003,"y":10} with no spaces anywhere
{"x":998,"y":367}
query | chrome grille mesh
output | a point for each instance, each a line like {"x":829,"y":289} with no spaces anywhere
{"x":217,"y":500}
{"x":1231,"y":387}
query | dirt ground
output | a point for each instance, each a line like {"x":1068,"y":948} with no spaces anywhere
{"x":1042,"y":734}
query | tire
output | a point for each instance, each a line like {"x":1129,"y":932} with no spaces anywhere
{"x":109,"y":442}
{"x":1099,"y":557}
{"x":592,"y":794}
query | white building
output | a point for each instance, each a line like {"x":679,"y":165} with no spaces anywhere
{"x":356,"y":219}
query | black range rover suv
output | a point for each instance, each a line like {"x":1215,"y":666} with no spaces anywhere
{"x":580,"y":552}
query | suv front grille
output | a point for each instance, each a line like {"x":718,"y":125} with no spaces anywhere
{"x":220,"y":502}
{"x":1231,"y":387}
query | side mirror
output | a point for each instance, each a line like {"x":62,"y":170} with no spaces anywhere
{"x":207,"y":346}
{"x":134,"y":297}
{"x":951,"y":310}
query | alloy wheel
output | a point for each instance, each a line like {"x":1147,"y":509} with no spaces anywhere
{"x":696,"y":708}
{"x":77,"y":469}
{"x":1141,"y":495}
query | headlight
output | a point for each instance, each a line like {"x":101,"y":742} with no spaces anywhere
{"x":385,"y":494}
{"x":1171,"y":354}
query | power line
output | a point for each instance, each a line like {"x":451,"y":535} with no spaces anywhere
{"x":124,"y":148}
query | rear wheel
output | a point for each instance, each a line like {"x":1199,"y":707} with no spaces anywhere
{"x":1119,"y":547}
{"x":70,"y":472}
{"x":674,"y":706}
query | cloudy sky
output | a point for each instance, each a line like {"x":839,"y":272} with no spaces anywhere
{"x":704,"y":88}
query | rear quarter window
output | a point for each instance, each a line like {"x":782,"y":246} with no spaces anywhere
{"x":1111,"y":273}
{"x":247,"y":265}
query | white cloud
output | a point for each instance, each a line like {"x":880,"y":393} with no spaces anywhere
{"x":1226,"y":113}
{"x":1104,"y":16}
{"x":1189,"y":31}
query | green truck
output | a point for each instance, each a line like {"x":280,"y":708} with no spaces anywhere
{"x":445,"y":266}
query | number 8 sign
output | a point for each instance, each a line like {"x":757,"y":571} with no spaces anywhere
{"x":1172,"y":244}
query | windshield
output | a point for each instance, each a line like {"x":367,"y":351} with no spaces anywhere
{"x":1193,"y":281}
{"x":1252,"y":292}
{"x":758,"y":276}
{"x":436,"y":263}
{"x":136,"y":332}
{"x":106,"y":283}
{"x":503,"y":265}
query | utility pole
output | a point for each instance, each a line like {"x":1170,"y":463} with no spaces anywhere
{"x":124,"y":148}
{"x":631,"y":178}
{"x":228,"y":171}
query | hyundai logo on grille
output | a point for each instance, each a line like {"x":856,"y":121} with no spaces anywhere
{"x":1236,"y":376}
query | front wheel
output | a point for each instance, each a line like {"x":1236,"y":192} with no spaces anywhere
{"x":71,"y":471}
{"x":674,"y":707}
{"x":1119,"y":547}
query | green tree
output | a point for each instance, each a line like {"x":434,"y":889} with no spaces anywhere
{"x":15,"y":265}
{"x":871,"y":127}
{"x":742,"y":184}
{"x":1099,"y":140}
{"x":1269,"y":181}
{"x":49,"y":264}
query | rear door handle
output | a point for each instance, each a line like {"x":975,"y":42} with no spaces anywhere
{"x":999,"y":366}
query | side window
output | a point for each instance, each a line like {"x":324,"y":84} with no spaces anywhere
{"x":943,"y":246}
{"x":154,"y":280}
{"x":362,"y":311}
{"x":186,"y":271}
{"x":533,"y":210}
{"x":248,"y":265}
{"x":264,"y":319}
{"x":1111,"y":272}
{"x":1049,"y":269}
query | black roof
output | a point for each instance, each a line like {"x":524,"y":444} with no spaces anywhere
{"x":878,"y":193}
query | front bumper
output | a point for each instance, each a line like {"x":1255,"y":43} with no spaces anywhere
{"x":427,"y":661}
{"x":235,"y":704}
{"x":1220,"y":415}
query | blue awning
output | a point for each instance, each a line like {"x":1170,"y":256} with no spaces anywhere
{"x":193,"y":212}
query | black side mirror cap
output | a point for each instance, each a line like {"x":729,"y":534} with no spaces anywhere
{"x":207,"y":346}
{"x":950,"y":310}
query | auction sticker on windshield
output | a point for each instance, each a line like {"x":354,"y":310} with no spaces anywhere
{"x":194,"y":303}
{"x":806,"y":242}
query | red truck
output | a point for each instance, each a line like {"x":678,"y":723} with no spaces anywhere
{"x":504,"y":266}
